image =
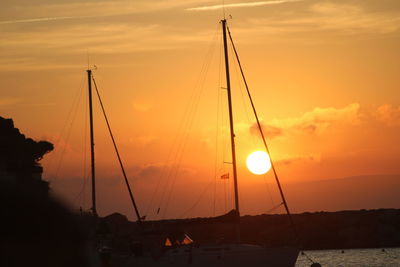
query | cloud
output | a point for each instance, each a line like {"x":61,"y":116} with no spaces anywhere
{"x":353,"y":19}
{"x":142,"y":105}
{"x":24,"y":50}
{"x":143,"y":140}
{"x":9,"y":101}
{"x":331,"y":17}
{"x":35,"y":20}
{"x":318,"y":120}
{"x":151,"y":171}
{"x":88,"y":10}
{"x":61,"y":10}
{"x":62,"y":45}
{"x":388,"y":114}
{"x":269,"y":131}
{"x":300,"y":158}
{"x":237,"y":5}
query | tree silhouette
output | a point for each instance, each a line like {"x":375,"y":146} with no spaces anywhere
{"x":20,"y":156}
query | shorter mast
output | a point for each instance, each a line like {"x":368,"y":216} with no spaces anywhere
{"x":233,"y":150}
{"x":94,"y":210}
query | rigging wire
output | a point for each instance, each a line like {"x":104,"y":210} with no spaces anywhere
{"x":171,"y":159}
{"x":175,"y":174}
{"x":187,"y":125}
{"x":81,"y":196}
{"x":268,"y":189}
{"x":253,"y":139}
{"x":197,"y":201}
{"x":182,"y":128}
{"x":275,"y":207}
{"x":240,"y":88}
{"x":164,"y":168}
{"x":139,"y":219}
{"x":245,"y":107}
{"x":68,"y":127}
{"x":85,"y":173}
{"x":266,"y":147}
{"x":219,"y":100}
{"x":260,"y":129}
{"x":222,"y":113}
{"x":174,"y":169}
{"x":216,"y":157}
{"x":58,"y":140}
{"x":225,"y":200}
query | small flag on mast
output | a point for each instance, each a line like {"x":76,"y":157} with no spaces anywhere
{"x":225,"y":176}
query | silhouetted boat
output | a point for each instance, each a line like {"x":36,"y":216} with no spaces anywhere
{"x":187,"y":252}
{"x":236,"y":254}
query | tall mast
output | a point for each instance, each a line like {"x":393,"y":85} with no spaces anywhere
{"x":228,"y":85}
{"x":94,"y":210}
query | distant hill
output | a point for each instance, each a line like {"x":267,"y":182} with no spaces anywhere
{"x":351,"y":193}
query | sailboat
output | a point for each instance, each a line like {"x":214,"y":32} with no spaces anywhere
{"x":189,"y":253}
{"x":237,"y":253}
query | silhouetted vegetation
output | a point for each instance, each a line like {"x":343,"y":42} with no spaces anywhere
{"x":20,"y":156}
{"x":36,"y":230}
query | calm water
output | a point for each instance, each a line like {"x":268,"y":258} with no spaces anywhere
{"x":352,"y":257}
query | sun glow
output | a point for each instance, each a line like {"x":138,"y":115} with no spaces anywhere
{"x":258,"y":162}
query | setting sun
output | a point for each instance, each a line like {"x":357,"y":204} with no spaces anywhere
{"x":258,"y":162}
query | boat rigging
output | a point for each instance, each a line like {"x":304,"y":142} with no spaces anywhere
{"x":94,"y":210}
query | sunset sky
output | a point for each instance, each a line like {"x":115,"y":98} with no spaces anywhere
{"x":324,"y":76}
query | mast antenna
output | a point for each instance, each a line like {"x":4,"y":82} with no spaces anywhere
{"x":87,"y":56}
{"x":223,"y":8}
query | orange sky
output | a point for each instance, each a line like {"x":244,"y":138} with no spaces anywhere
{"x":324,"y":77}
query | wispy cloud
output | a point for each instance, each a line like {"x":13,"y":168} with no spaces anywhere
{"x":313,"y":122}
{"x":65,"y":10}
{"x":25,"y":50}
{"x":388,"y":114}
{"x":319,"y":119}
{"x":35,"y":20}
{"x":237,"y":5}
{"x":330,"y":17}
{"x":288,"y":160}
{"x":9,"y":101}
{"x":269,"y":131}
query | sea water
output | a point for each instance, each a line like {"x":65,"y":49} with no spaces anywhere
{"x":387,"y":257}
